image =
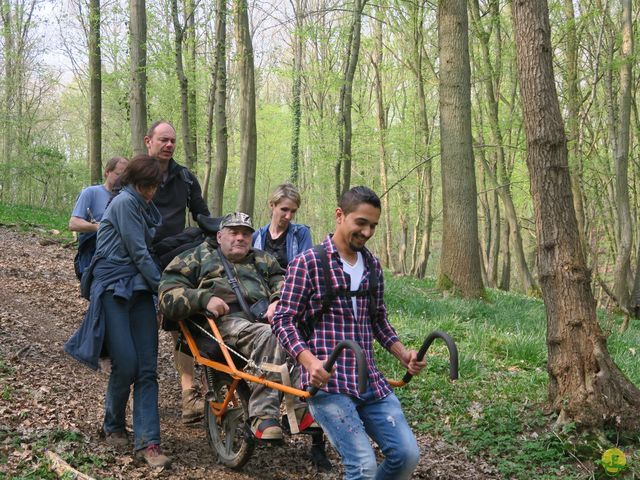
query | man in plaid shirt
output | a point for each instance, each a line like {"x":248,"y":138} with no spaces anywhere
{"x":347,"y":417}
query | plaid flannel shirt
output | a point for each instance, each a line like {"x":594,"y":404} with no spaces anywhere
{"x":301,"y":300}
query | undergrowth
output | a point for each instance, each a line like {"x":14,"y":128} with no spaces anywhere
{"x":496,"y":409}
{"x":43,"y":220}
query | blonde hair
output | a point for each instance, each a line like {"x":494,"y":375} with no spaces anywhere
{"x":285,"y":190}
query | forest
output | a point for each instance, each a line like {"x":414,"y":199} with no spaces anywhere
{"x":327,"y":94}
{"x":503,"y":137}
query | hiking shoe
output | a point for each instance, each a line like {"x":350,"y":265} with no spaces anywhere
{"x":116,"y":439}
{"x":192,"y":406}
{"x":305,"y":419}
{"x":153,"y":456}
{"x":266,"y":428}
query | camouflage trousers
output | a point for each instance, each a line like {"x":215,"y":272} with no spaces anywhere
{"x":257,"y":342}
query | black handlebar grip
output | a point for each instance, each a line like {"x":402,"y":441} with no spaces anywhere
{"x":360,"y":362}
{"x":453,"y":354}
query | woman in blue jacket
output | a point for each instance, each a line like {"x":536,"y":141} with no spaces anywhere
{"x":121,"y":319}
{"x":280,"y":237}
{"x":284,"y":240}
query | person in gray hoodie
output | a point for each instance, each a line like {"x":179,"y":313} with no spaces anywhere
{"x":121,"y":319}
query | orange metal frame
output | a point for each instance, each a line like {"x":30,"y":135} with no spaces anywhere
{"x":219,"y":408}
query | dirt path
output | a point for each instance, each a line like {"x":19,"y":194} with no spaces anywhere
{"x":44,"y":393}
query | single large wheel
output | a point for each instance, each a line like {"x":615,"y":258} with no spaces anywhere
{"x":228,"y":436}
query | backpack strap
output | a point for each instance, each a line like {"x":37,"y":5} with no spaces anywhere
{"x":186,"y":178}
{"x":373,"y":287}
{"x":329,"y":292}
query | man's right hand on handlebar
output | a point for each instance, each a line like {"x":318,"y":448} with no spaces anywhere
{"x":318,"y":376}
{"x":217,"y":307}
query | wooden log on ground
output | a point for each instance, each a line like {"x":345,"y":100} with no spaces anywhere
{"x":62,"y":468}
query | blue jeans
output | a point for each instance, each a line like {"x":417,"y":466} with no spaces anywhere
{"x":349,"y":422}
{"x":132,"y":341}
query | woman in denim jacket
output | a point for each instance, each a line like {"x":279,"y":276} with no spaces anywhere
{"x":281,"y":238}
{"x":121,"y":319}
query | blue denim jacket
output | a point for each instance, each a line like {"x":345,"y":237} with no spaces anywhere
{"x":298,"y":239}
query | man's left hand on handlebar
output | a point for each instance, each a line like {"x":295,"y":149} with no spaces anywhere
{"x":408,"y":358}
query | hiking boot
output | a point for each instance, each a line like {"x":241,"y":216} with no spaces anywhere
{"x":192,"y":406}
{"x":305,"y":420}
{"x":266,"y":428}
{"x":153,"y":456}
{"x":116,"y":439}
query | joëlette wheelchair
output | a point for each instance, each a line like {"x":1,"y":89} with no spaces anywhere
{"x":227,"y":383}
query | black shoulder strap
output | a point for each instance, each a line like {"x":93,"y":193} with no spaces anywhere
{"x":329,"y":292}
{"x":233,"y":281}
{"x":373,"y":287}
{"x":186,"y":178}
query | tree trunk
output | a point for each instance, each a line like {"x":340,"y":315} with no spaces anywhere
{"x":402,"y":247}
{"x":426,"y":176}
{"x":190,"y":43}
{"x":623,"y":259}
{"x":217,"y":194}
{"x":208,"y":137}
{"x":460,"y":262}
{"x":501,"y":179}
{"x":343,"y":165}
{"x":248,"y":134}
{"x":9,"y":83}
{"x":138,"y":59}
{"x":490,"y":253}
{"x":505,"y":271}
{"x":573,"y":125}
{"x":95,"y":93}
{"x":376,"y":61}
{"x":183,"y":82}
{"x":585,"y":385}
{"x":296,"y":89}
{"x":426,"y":185}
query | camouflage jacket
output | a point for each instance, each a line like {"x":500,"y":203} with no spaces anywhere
{"x":193,"y":277}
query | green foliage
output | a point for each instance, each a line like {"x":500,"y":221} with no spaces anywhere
{"x":496,"y":408}
{"x":34,"y":465}
{"x":29,"y":218}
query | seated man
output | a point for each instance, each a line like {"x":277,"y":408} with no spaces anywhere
{"x":196,"y":281}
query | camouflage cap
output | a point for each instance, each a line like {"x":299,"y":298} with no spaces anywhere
{"x":237,"y":219}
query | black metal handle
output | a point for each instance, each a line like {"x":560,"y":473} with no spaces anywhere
{"x":360,"y":362}
{"x":453,"y":354}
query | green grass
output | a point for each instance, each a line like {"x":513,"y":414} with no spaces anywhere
{"x":496,"y":409}
{"x":34,"y":465}
{"x":27,"y":218}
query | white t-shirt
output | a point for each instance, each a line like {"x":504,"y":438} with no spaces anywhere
{"x":355,"y":271}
